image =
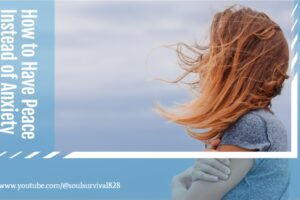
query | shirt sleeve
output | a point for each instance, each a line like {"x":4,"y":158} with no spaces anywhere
{"x":249,"y":132}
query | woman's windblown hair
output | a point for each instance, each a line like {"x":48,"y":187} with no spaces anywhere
{"x":242,"y":69}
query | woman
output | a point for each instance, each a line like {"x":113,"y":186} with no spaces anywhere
{"x":238,"y":74}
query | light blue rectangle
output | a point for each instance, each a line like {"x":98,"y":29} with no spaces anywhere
{"x":32,"y":126}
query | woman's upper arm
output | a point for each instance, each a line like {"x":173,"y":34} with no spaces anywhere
{"x":203,"y":190}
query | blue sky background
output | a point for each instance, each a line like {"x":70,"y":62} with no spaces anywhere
{"x":106,"y":55}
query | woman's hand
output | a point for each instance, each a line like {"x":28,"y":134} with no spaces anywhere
{"x":211,"y":169}
{"x":213,"y":144}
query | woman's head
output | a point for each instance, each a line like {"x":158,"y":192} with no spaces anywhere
{"x":242,"y":69}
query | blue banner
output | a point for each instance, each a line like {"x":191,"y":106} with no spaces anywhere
{"x":27,"y":75}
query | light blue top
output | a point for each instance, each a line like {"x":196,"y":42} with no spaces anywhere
{"x":268,"y":179}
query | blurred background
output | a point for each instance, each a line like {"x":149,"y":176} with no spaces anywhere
{"x":107,"y":54}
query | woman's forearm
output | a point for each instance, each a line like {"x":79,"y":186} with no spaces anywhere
{"x":181,"y":183}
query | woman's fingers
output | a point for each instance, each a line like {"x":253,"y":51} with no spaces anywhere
{"x":199,"y":175}
{"x":207,"y":169}
{"x":215,"y":143}
{"x":225,"y":161}
{"x":215,"y":167}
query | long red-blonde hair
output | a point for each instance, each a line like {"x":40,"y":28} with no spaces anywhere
{"x":242,"y":69}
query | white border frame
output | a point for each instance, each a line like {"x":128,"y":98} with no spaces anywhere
{"x":294,"y":129}
{"x":171,"y":155}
